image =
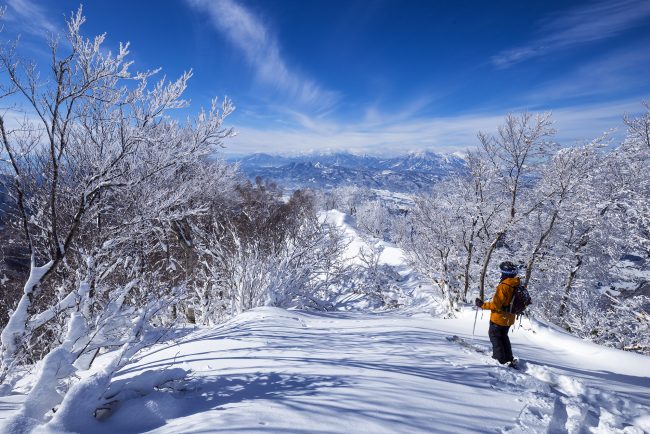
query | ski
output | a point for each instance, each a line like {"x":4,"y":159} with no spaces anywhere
{"x":463,"y":343}
{"x":518,"y":365}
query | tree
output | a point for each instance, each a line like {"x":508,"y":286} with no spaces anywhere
{"x":437,"y":246}
{"x":478,"y":212}
{"x":99,"y":145}
{"x":372,"y":218}
{"x":560,"y":185}
{"x":515,"y":153}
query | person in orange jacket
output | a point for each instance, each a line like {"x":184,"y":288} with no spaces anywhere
{"x":500,"y":319}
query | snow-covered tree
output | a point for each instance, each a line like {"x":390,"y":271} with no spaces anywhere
{"x":85,"y":167}
{"x":345,"y":198}
{"x":568,"y":215}
{"x":515,"y":154}
{"x":373,"y":218}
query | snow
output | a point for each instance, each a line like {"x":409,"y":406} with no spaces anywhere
{"x":273,"y":370}
{"x":391,"y":255}
{"x":407,"y":371}
{"x":346,"y":224}
{"x":35,"y":275}
{"x":13,"y":331}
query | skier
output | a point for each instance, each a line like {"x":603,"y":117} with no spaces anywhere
{"x":500,"y":320}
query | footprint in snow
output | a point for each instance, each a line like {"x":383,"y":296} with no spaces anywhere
{"x":577,"y":408}
{"x":555,"y":402}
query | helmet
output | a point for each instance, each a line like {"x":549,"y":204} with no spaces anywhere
{"x":508,"y":268}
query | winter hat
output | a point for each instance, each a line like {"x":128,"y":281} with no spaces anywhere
{"x":508,"y":268}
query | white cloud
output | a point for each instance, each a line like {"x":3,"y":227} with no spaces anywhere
{"x":261,"y":50}
{"x":593,"y":22}
{"x":29,"y":17}
{"x":446,"y":134}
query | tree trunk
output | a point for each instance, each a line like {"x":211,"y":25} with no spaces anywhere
{"x":470,"y":252}
{"x":538,"y":247}
{"x":568,"y":286}
{"x":486,"y":262}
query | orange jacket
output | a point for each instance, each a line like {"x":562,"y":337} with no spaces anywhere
{"x":500,"y":302}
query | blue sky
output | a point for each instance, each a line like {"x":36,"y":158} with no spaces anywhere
{"x":379,"y":76}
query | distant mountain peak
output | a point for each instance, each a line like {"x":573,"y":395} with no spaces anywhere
{"x":414,"y":171}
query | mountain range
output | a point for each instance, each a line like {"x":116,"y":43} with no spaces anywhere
{"x":407,"y":173}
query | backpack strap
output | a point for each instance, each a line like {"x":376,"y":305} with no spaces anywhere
{"x":512,"y":298}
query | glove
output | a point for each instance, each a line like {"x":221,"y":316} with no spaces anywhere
{"x":478,"y":302}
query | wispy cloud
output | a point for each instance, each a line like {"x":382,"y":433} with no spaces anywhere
{"x":444,"y":133}
{"x":617,"y":73}
{"x":262,"y":51}
{"x":29,"y":17}
{"x":593,"y":22}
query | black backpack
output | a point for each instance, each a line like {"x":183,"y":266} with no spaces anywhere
{"x":520,"y":300}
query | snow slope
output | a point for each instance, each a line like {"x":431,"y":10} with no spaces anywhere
{"x":409,"y":371}
{"x":271,"y":370}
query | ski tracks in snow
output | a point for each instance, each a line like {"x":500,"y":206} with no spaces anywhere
{"x":564,"y":404}
{"x":557,"y":403}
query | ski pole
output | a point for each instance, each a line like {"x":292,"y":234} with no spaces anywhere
{"x":475,"y":316}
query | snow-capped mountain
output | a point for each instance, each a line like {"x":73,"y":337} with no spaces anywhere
{"x":410,"y":172}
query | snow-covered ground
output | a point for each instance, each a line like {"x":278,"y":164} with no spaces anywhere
{"x":272,"y":370}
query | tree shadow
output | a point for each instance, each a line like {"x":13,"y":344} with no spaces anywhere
{"x":213,"y":393}
{"x":406,"y":356}
{"x":345,"y":345}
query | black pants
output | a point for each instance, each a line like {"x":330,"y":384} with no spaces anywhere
{"x":501,"y":349}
